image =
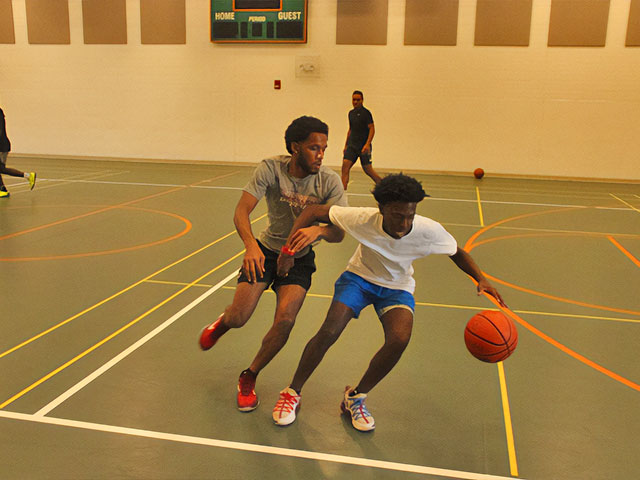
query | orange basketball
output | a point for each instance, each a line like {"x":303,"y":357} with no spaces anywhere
{"x":478,"y":173}
{"x":491,"y":336}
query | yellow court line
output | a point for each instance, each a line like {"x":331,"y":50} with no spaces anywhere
{"x":114,"y":334}
{"x":626,"y":203}
{"x":441,"y":305}
{"x":124,"y":290}
{"x":479,"y":207}
{"x":513,"y":464}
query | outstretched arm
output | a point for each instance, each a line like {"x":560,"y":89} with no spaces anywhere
{"x":465,"y":262}
{"x":301,"y":236}
{"x":304,"y":233}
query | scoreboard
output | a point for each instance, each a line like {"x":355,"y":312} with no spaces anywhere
{"x":259,"y":21}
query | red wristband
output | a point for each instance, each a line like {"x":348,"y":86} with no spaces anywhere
{"x":287,"y":251}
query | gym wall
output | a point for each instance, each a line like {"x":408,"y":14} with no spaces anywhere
{"x":524,"y":87}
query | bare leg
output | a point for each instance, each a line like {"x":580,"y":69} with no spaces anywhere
{"x":290,"y":299}
{"x":368,"y":169}
{"x":10,"y":171}
{"x":397,"y":324}
{"x":244,"y":303}
{"x":4,"y":170}
{"x":337,"y":319}
{"x":346,"y":167}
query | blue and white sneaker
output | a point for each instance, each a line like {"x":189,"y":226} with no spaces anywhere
{"x":354,"y":405}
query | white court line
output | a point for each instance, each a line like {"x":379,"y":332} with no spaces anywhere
{"x":255,"y":448}
{"x":39,"y":180}
{"x":137,"y":184}
{"x":217,"y":187}
{"x":83,"y":383}
{"x":499,"y":202}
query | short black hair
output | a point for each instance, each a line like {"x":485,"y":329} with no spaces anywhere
{"x":358,"y":92}
{"x":301,"y":128}
{"x":398,"y":188}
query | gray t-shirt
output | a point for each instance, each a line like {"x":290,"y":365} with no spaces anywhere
{"x":287,"y":196}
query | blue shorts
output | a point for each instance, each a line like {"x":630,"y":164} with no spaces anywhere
{"x":356,"y":293}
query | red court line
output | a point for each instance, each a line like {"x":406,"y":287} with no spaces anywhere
{"x":624,"y":250}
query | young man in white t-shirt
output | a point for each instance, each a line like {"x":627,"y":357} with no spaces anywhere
{"x":380,"y":273}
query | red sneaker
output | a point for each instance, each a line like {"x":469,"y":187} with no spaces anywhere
{"x":247,"y":398}
{"x":211,"y":333}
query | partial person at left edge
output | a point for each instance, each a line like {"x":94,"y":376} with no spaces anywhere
{"x":5,"y":148}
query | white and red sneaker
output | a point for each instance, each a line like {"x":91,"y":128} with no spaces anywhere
{"x":247,"y":398}
{"x":211,"y":333}
{"x":353,"y":405}
{"x":284,"y":413}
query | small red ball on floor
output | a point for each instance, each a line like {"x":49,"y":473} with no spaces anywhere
{"x":478,"y":173}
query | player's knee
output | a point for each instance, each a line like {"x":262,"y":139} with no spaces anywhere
{"x":284,"y":322}
{"x":235,"y":317}
{"x":327,"y":336}
{"x":398,"y":341}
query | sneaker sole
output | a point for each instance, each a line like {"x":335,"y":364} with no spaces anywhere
{"x":249,"y":409}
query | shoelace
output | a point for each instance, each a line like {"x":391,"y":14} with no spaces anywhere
{"x":359,"y":410}
{"x":286,"y":403}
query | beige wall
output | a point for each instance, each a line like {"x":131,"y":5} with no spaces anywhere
{"x":534,"y":110}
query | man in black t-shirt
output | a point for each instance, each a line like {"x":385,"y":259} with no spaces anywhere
{"x":359,"y":137}
{"x":5,"y":148}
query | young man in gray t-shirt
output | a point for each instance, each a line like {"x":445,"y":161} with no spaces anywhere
{"x":289,"y":183}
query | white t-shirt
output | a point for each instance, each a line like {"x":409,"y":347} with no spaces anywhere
{"x":382,"y":259}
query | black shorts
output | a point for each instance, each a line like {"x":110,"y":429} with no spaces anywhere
{"x":300,"y":273}
{"x":352,"y":153}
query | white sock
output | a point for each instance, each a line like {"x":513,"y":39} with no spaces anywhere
{"x":26,"y":174}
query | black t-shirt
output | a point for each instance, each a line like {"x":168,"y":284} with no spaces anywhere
{"x":359,"y":121}
{"x":5,"y":144}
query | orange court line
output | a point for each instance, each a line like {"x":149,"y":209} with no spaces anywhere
{"x":184,"y":231}
{"x":561,"y":299}
{"x":566,"y":349}
{"x":117,"y":294}
{"x":624,"y":250}
{"x":105,"y":209}
{"x":470,"y":245}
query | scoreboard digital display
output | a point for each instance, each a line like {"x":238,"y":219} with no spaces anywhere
{"x":259,"y":21}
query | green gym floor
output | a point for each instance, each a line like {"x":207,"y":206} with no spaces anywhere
{"x":109,"y":270}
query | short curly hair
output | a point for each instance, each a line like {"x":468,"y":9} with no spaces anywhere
{"x":301,"y":128}
{"x":398,"y":188}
